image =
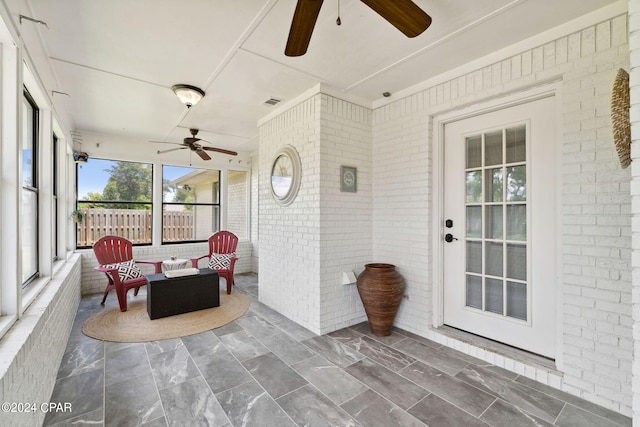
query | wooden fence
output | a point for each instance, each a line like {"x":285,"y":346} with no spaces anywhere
{"x":134,"y":225}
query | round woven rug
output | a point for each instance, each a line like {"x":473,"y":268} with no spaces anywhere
{"x":134,"y":324}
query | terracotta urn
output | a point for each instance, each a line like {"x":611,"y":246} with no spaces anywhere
{"x":381,"y":289}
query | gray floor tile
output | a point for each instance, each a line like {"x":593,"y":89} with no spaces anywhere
{"x":83,"y":391}
{"x":380,"y":353}
{"x":431,"y":356}
{"x":249,"y":405}
{"x":132,"y":402}
{"x":435,"y":412}
{"x":502,"y":414}
{"x":243,"y":345}
{"x":275,"y":376}
{"x":394,"y":387}
{"x":286,"y":348}
{"x":308,"y":407}
{"x":372,"y":410}
{"x":172,"y":367}
{"x":572,"y":416}
{"x":191,"y":403}
{"x":334,"y":382}
{"x":334,"y":351}
{"x":453,"y":390}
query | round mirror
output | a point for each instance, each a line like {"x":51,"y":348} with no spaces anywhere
{"x":285,"y":175}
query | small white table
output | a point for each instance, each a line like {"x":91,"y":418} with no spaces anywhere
{"x":174,"y":264}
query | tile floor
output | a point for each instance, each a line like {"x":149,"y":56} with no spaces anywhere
{"x":264,"y":370}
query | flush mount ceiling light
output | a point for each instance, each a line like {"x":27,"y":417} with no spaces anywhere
{"x":189,"y":95}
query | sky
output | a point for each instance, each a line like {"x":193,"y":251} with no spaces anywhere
{"x":93,"y":175}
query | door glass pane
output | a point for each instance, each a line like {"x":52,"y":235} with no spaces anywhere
{"x":517,"y":184}
{"x":474,"y":151}
{"x":493,"y":260}
{"x":517,"y":300}
{"x":474,"y":291}
{"x":515,"y":141}
{"x":493,"y":296}
{"x":474,"y":257}
{"x":474,"y":221}
{"x":493,"y":180}
{"x":493,"y":148}
{"x":517,"y":222}
{"x":474,"y":187}
{"x":516,"y":261}
{"x":493,"y":222}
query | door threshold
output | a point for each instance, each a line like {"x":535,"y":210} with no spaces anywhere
{"x":525,"y":357}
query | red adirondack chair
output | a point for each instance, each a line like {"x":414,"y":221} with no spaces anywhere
{"x":222,"y":255}
{"x":115,"y":256}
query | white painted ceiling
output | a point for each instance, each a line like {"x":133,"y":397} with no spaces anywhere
{"x":116,"y":60}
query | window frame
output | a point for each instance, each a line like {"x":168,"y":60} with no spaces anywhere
{"x":34,"y":188}
{"x":217,"y":206}
{"x":114,"y":202}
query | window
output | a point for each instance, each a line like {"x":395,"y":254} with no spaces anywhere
{"x":54,"y":220}
{"x":237,"y":204}
{"x":115,"y":198}
{"x":190,"y":204}
{"x":29,"y":214}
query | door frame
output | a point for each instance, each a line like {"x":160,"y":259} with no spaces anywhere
{"x":439,"y":121}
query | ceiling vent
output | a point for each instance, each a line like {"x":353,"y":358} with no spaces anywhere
{"x":272,"y":101}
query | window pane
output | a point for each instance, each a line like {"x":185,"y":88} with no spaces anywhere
{"x":493,"y":148}
{"x":493,"y":296}
{"x":115,"y":197}
{"x":237,"y":204}
{"x":517,"y":184}
{"x":517,"y":222}
{"x":474,"y":187}
{"x":474,"y":291}
{"x":517,"y":300}
{"x":516,"y":147}
{"x":27,"y":144}
{"x":493,"y":260}
{"x":516,"y":261}
{"x":184,"y":223}
{"x":191,"y":210}
{"x":493,"y":222}
{"x":474,"y":221}
{"x":474,"y":257}
{"x":29,"y":234}
{"x":474,"y":151}
{"x":493,"y":182}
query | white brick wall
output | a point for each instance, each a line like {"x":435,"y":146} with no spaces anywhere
{"x":31,"y":352}
{"x":634,"y":83}
{"x":305,"y":247}
{"x":596,"y":228}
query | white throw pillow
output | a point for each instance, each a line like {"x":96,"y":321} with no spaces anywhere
{"x":127,"y":270}
{"x":220,"y":261}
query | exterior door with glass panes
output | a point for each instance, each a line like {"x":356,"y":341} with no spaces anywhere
{"x":499,"y":231}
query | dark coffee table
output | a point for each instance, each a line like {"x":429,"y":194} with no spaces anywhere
{"x":177,"y":295}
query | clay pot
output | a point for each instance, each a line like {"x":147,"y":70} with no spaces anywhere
{"x":381,"y":289}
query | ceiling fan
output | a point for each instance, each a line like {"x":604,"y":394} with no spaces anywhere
{"x":193,"y":144}
{"x":405,"y":15}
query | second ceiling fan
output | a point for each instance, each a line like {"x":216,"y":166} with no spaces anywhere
{"x":405,"y":15}
{"x":192,"y":143}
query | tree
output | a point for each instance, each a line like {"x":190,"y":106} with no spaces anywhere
{"x":129,"y":182}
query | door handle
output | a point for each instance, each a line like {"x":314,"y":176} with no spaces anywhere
{"x":449,"y":238}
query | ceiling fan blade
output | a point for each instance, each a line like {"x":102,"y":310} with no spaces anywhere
{"x":203,"y":155}
{"x":405,"y":15}
{"x":304,"y":19}
{"x":220,"y":150}
{"x":170,"y":149}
